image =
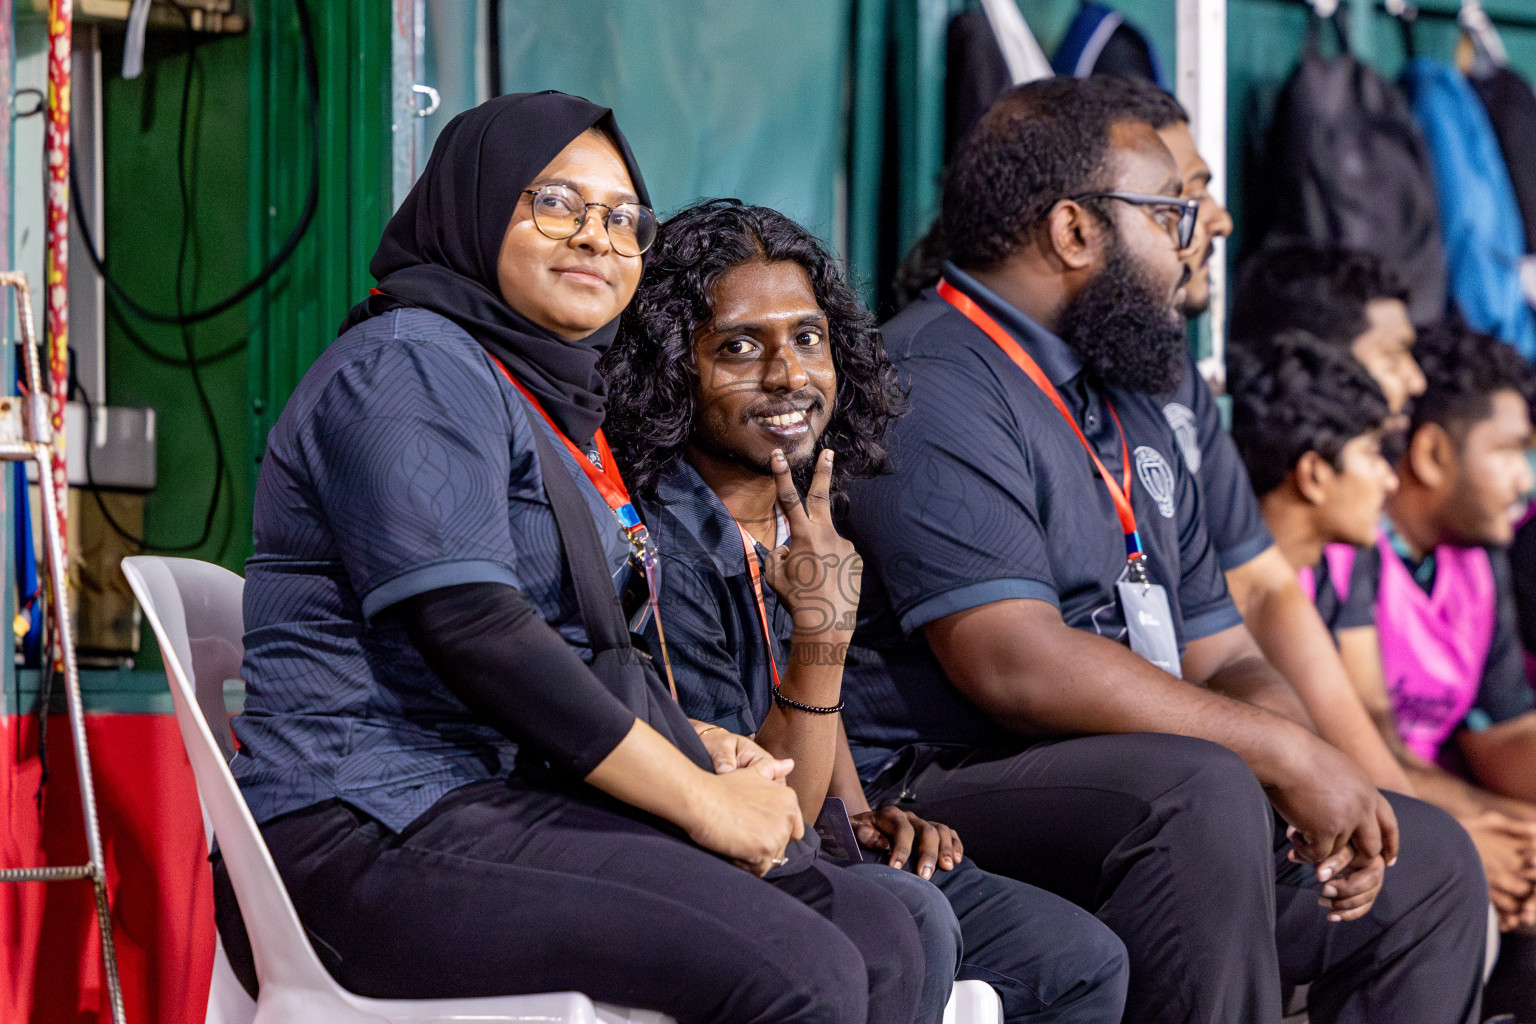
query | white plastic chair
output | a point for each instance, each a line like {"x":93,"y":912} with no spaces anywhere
{"x":194,"y":608}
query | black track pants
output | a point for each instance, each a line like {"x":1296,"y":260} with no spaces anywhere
{"x":499,"y":890}
{"x":1171,"y":842}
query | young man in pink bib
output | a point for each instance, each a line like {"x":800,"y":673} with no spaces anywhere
{"x":1423,"y":608}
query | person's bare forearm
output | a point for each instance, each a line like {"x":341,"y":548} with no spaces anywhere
{"x":1255,"y":682}
{"x":1503,"y":758}
{"x":1033,"y":674}
{"x":846,"y":785}
{"x":1459,"y":798}
{"x":1029,"y":671}
{"x":646,"y":771}
{"x":1298,"y":644}
{"x":813,"y":676}
{"x":1434,"y":785}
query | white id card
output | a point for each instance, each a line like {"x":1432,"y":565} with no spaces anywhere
{"x":1149,"y":624}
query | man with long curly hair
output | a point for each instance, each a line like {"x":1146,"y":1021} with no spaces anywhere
{"x":747,"y":386}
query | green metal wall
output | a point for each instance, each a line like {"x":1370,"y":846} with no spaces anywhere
{"x":329,"y":271}
{"x":253,"y":165}
{"x":143,"y":230}
{"x":250,"y":172}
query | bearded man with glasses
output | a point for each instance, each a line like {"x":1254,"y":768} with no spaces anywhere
{"x":1047,"y":657}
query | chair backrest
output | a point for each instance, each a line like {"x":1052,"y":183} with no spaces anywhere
{"x":195,"y":610}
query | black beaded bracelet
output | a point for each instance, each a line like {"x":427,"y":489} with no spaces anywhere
{"x":810,"y":709}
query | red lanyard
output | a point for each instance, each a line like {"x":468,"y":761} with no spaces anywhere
{"x":611,"y":486}
{"x":1120,"y":493}
{"x":607,"y":479}
{"x":750,"y":547}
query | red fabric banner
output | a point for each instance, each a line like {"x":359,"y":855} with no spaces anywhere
{"x":157,"y":876}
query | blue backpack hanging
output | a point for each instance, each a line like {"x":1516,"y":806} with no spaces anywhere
{"x":1484,"y":235}
{"x":1101,"y":42}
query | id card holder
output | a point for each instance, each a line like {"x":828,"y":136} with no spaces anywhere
{"x":1149,"y":623}
{"x":836,"y":831}
{"x":635,"y":596}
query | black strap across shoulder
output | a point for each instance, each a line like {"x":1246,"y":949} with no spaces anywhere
{"x":601,"y":612}
{"x":626,"y":671}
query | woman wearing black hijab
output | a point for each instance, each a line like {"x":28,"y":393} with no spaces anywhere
{"x":462,"y":798}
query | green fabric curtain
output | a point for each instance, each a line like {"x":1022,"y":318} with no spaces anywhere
{"x":718,"y":98}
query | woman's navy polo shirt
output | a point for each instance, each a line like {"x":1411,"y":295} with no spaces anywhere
{"x":993,"y":498}
{"x":404,"y":462}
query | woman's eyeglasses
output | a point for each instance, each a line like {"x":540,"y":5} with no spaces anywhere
{"x":559,"y":211}
{"x":1183,"y":229}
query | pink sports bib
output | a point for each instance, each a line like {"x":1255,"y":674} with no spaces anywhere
{"x":1434,"y":646}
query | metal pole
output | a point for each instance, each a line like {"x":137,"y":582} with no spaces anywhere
{"x":37,"y":447}
{"x":1202,"y":88}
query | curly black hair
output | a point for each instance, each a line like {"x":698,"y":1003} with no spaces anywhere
{"x":1047,"y":139}
{"x":653,"y":383}
{"x":1141,"y":99}
{"x":1323,"y":290}
{"x":1299,"y":395}
{"x":1040,"y":143}
{"x":1463,"y":369}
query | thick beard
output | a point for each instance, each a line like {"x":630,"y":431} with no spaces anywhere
{"x":1127,"y":335}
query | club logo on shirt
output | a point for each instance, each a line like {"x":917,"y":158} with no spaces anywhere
{"x":1182,"y":420}
{"x":1157,"y":477}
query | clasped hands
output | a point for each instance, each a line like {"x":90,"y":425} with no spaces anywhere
{"x":1507,"y":847}
{"x":889,"y":829}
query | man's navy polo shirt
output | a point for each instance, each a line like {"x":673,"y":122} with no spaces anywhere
{"x":993,"y":498}
{"x":714,"y":637}
{"x":1232,"y":513}
{"x":403,"y":463}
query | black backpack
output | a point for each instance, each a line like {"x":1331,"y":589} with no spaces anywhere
{"x":1511,"y":107}
{"x":1345,"y":165}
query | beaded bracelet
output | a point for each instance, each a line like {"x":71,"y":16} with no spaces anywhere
{"x":810,"y":709}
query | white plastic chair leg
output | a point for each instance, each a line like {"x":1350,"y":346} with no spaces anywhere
{"x":973,"y":1002}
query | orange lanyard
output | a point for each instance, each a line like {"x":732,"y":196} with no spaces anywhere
{"x":1120,"y":493}
{"x":611,"y":486}
{"x":750,"y":547}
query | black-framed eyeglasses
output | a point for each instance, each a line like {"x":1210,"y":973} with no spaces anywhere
{"x":1189,"y":211}
{"x":559,"y":211}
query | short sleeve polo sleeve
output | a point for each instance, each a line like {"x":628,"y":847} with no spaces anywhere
{"x":411,"y":452}
{"x":1504,"y":693}
{"x":1357,"y":607}
{"x":957,"y":527}
{"x":1232,"y":514}
{"x":1206,"y":606}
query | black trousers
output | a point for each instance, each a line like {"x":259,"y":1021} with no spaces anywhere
{"x":500,"y":889}
{"x":1171,"y":842}
{"x":1049,"y":960}
{"x":1512,"y":989}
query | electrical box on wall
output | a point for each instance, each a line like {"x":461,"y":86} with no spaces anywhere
{"x":111,"y":471}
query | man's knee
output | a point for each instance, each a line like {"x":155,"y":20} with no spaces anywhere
{"x":1205,"y":790}
{"x":825,"y":982}
{"x":877,"y":925}
{"x":1105,"y":966}
{"x":937,"y":926}
{"x":1439,"y":859}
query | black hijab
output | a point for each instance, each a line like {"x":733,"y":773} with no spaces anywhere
{"x":440,"y":249}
